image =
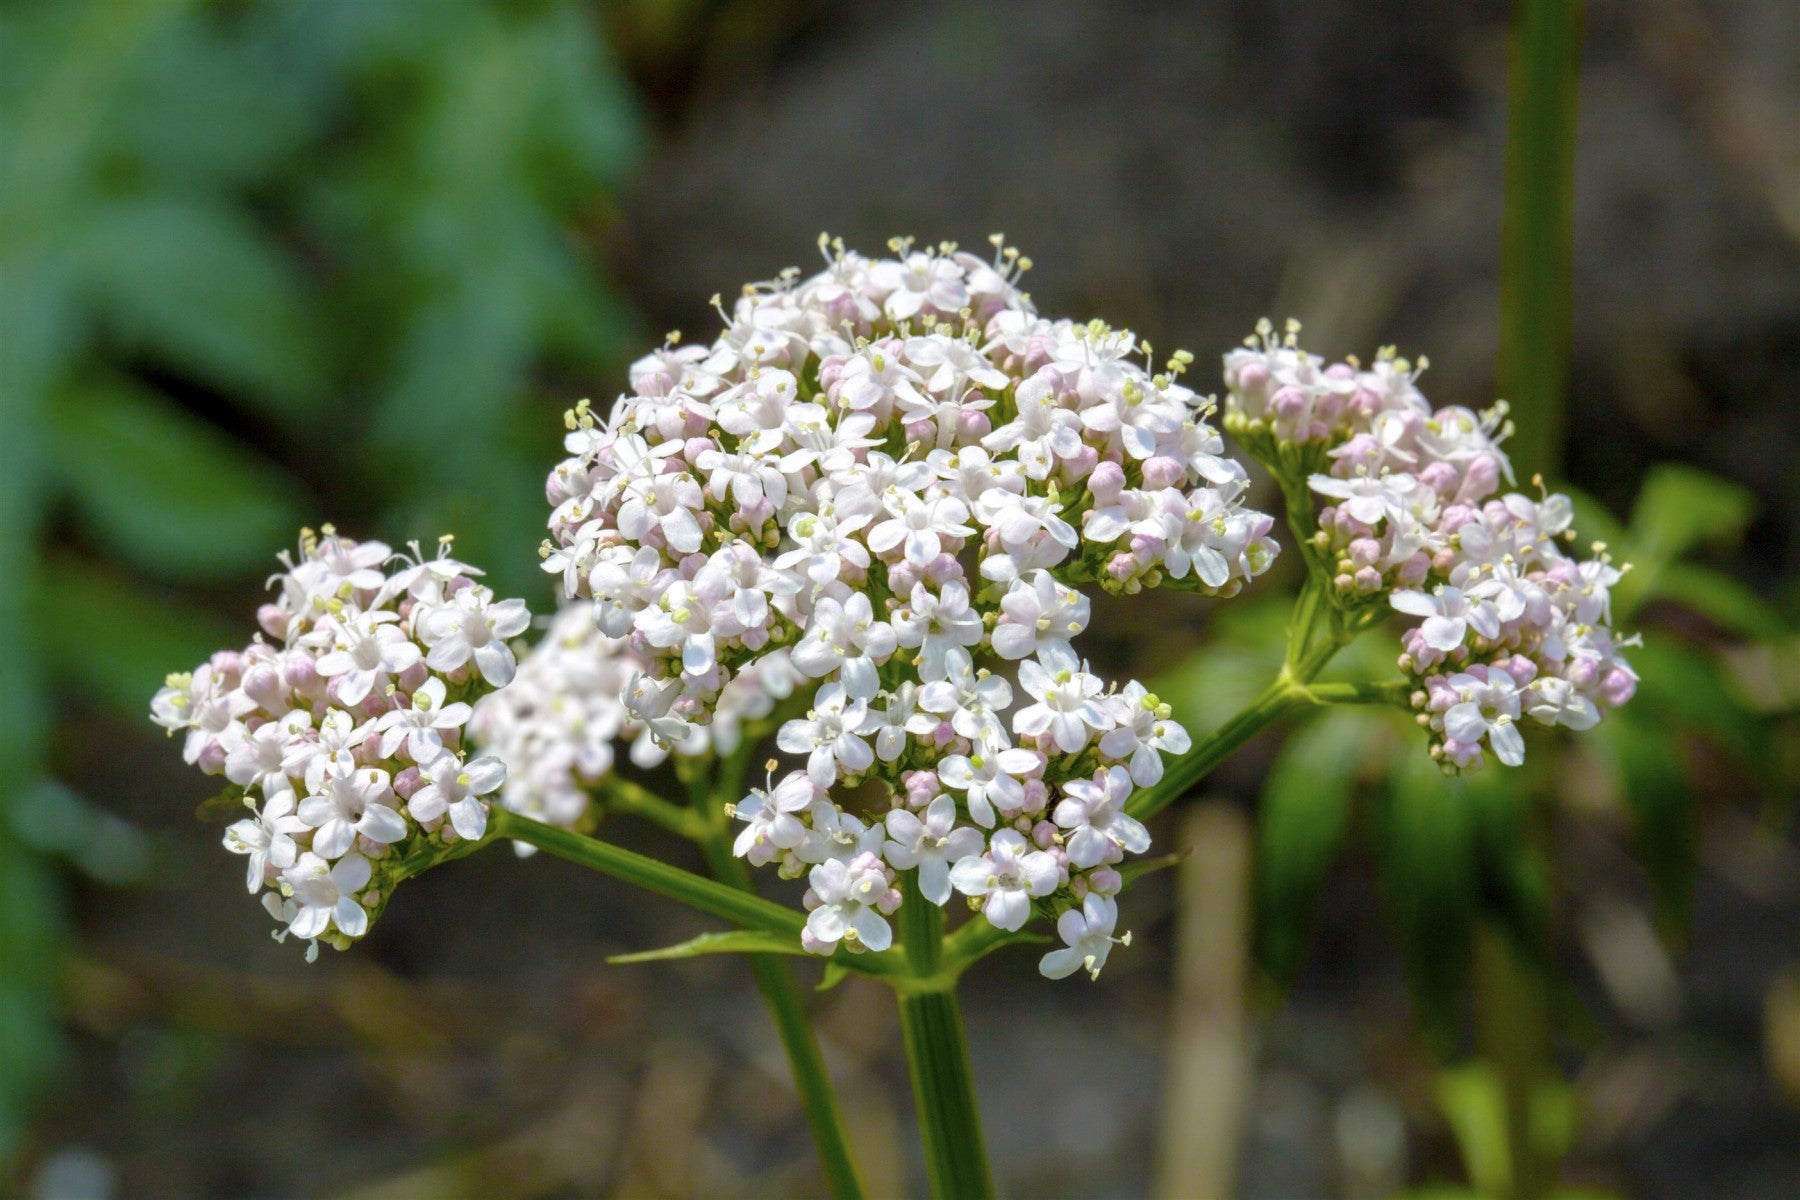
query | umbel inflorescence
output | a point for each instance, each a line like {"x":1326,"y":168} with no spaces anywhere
{"x":881,"y":491}
{"x":340,"y":727}
{"x":1513,"y":627}
{"x":869,"y":516}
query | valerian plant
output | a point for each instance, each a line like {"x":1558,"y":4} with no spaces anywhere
{"x":867,"y":521}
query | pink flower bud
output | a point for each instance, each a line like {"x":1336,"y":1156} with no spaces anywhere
{"x":1106,"y":482}
{"x":1077,"y":468}
{"x":212,"y":757}
{"x":1106,"y":881}
{"x":1163,"y":472}
{"x":407,"y":782}
{"x":972,"y":425}
{"x":273,"y":620}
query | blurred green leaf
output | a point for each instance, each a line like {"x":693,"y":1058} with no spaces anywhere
{"x":1513,"y":879}
{"x":1680,"y":508}
{"x":194,"y":284}
{"x":111,"y":636}
{"x":162,"y":488}
{"x":1473,"y":1100}
{"x":1722,"y":600}
{"x":1661,"y":800}
{"x":1682,"y":687}
{"x":53,"y":819}
{"x":1426,"y":842}
{"x":1302,"y":818}
{"x":31,"y":934}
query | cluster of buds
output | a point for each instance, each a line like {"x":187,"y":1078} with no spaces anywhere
{"x":340,"y":727}
{"x":881,"y":490}
{"x":1413,"y":509}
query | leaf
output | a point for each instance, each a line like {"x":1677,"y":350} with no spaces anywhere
{"x":31,"y":935}
{"x":162,"y":488}
{"x":1137,"y":868}
{"x":197,"y":285}
{"x":1594,"y":522}
{"x":115,"y":639}
{"x":835,"y":973}
{"x":1681,"y":507}
{"x":1473,"y":1101}
{"x":1301,"y":821}
{"x":1663,"y":807}
{"x":1513,"y":879}
{"x":735,"y":941}
{"x":1722,"y":600}
{"x":1425,"y":839}
{"x":53,"y":819}
{"x":1684,"y":687}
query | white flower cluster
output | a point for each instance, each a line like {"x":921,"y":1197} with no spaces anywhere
{"x":878,"y":487}
{"x":556,"y":724}
{"x":1512,"y":626}
{"x":343,"y":732}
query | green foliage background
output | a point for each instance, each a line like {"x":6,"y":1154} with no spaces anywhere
{"x":258,"y":260}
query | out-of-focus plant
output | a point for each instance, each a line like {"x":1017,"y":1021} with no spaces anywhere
{"x":248,"y":252}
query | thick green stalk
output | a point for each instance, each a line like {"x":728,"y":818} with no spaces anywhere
{"x":1281,"y":697}
{"x":937,"y":1057}
{"x":739,"y":907}
{"x":1537,"y":228}
{"x":782,"y":995}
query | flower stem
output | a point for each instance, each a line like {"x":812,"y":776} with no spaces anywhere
{"x":782,"y":995}
{"x":937,"y":1057}
{"x":739,"y":907}
{"x":1281,"y":697}
{"x":1537,"y":227}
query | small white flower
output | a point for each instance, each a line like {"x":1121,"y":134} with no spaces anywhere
{"x":1449,"y":615}
{"x":420,"y":723}
{"x":901,"y":720}
{"x":1488,"y":708}
{"x":918,"y":526}
{"x":848,"y":895}
{"x":934,"y":625}
{"x":828,"y":736}
{"x":324,"y":894}
{"x":1038,"y":611}
{"x":1068,"y":707}
{"x":473,"y":625}
{"x":990,"y":776}
{"x":1144,"y":732}
{"x":369,"y":649}
{"x":972,"y":700}
{"x":1088,"y":933}
{"x":1009,"y":875}
{"x":261,"y":757}
{"x":1093,"y":811}
{"x":1368,"y":498}
{"x":772,"y":816}
{"x":267,"y":837}
{"x":351,"y":803}
{"x":845,"y":636}
{"x":456,"y":787}
{"x":931,"y":844}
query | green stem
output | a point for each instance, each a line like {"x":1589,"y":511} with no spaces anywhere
{"x":738,"y":907}
{"x":1391,"y":691}
{"x":1537,"y":228}
{"x":1281,"y":697}
{"x":622,"y":795}
{"x":817,"y":1098}
{"x":937,"y":1057}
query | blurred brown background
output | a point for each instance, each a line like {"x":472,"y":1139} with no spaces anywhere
{"x":454,"y":218}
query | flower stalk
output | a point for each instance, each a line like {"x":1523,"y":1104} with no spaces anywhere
{"x":937,"y":1057}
